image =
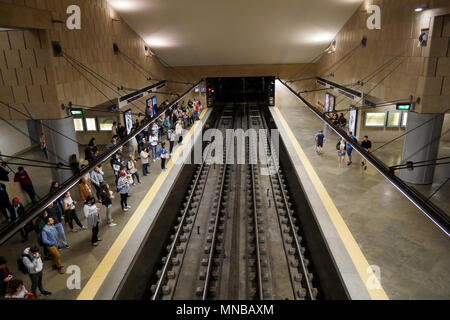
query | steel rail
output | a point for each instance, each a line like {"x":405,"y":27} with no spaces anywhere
{"x":42,"y":204}
{"x":214,"y":236}
{"x":255,"y":217}
{"x":431,"y":211}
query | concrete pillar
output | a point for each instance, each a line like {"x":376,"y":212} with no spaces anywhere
{"x":420,"y":145}
{"x":59,"y":147}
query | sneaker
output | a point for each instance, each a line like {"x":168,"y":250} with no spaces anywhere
{"x":61,"y":270}
{"x":46,"y":293}
{"x":154,"y":160}
{"x":349,"y":163}
{"x":128,"y":207}
{"x":95,"y":244}
{"x":125,"y":209}
{"x":112,"y":224}
{"x":74,"y":230}
{"x":84,"y":227}
{"x":67,"y":246}
{"x":98,"y":239}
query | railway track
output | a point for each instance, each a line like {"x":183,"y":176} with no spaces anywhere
{"x":236,"y":235}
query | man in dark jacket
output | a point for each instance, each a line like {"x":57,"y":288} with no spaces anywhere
{"x":25,"y":182}
{"x":5,"y":204}
{"x":4,"y":172}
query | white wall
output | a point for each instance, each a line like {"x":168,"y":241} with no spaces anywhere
{"x":11,"y":140}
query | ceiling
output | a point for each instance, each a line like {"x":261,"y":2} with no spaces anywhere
{"x":232,"y":32}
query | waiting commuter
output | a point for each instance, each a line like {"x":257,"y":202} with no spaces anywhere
{"x":5,"y":276}
{"x":107,"y":196}
{"x":153,"y":143}
{"x":16,"y":289}
{"x":164,"y":155}
{"x":123,"y":185}
{"x":33,"y":262}
{"x":97,"y":180}
{"x":50,"y":240}
{"x":70,"y":214}
{"x":91,"y":212}
{"x":341,"y":147}
{"x":116,"y":163}
{"x":144,"y":159}
{"x":320,"y":138}
{"x":172,"y":138}
{"x":25,"y":182}
{"x":132,"y":169}
{"x":366,"y":144}
{"x":56,"y":212}
{"x":350,"y":148}
{"x":85,"y":189}
{"x":179,"y":131}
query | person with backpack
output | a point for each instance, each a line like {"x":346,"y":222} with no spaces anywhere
{"x":31,"y":263}
{"x":350,"y":148}
{"x":366,"y":144}
{"x":123,"y":185}
{"x":341,"y":147}
{"x":164,"y":154}
{"x":23,"y":178}
{"x":320,"y":138}
{"x":107,"y":196}
{"x":132,"y":169}
{"x":91,"y":212}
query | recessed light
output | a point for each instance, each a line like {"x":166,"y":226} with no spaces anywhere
{"x":421,"y":8}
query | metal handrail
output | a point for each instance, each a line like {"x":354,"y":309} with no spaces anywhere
{"x":433,"y":212}
{"x":42,"y":204}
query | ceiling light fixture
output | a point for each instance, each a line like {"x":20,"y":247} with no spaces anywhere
{"x":331,"y":48}
{"x":421,"y":8}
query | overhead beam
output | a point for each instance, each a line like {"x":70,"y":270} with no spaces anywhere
{"x":21,"y":17}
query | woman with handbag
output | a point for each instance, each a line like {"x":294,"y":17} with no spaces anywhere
{"x":132,"y":169}
{"x":107,"y":196}
{"x":91,"y":212}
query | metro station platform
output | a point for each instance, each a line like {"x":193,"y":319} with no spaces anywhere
{"x":389,"y":231}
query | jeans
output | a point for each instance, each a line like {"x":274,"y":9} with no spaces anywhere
{"x":28,"y":188}
{"x":108,"y":214}
{"x":71,"y":215}
{"x":123,"y":200}
{"x":62,"y":236}
{"x":153,"y":152}
{"x":144,"y":169}
{"x":136,"y":176}
{"x":36,"y":282}
{"x":95,"y":234}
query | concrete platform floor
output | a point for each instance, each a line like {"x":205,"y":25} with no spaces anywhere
{"x":81,"y":253}
{"x":412,"y":253}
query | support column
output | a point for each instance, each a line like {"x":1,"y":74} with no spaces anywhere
{"x":60,"y":148}
{"x":420,"y":145}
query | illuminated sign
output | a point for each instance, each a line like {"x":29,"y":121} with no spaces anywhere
{"x":403,"y":106}
{"x":76,"y":112}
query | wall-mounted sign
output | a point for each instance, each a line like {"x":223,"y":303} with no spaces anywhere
{"x":347,"y":92}
{"x":403,"y":106}
{"x":128,"y":119}
{"x":353,"y":120}
{"x":76,"y":112}
{"x":136,"y":95}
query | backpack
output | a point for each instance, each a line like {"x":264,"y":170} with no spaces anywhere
{"x":338,"y":145}
{"x":20,"y":265}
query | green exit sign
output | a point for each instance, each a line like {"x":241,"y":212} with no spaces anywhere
{"x":403,"y":106}
{"x":76,"y":112}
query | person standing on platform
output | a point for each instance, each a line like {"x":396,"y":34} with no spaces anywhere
{"x":350,"y":148}
{"x":50,"y":240}
{"x":91,"y":212}
{"x":144,"y":159}
{"x":55,"y":211}
{"x":132,"y":169}
{"x":70,"y":213}
{"x":33,"y":262}
{"x":179,"y":131}
{"x":320,"y":139}
{"x":26,"y":184}
{"x":123,"y":185}
{"x":97,"y":180}
{"x":153,"y":143}
{"x":164,"y":155}
{"x":172,"y":138}
{"x":107,"y":196}
{"x":85,"y":188}
{"x":366,"y":144}
{"x":341,"y":147}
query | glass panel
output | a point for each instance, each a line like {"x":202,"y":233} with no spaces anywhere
{"x":91,"y":124}
{"x":404,"y":119}
{"x":375,"y":119}
{"x":78,"y":123}
{"x":106,"y":123}
{"x":394,"y":119}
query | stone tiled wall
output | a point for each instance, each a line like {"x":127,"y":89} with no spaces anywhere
{"x":37,"y":83}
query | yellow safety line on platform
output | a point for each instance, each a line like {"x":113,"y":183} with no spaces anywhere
{"x":368,"y":277}
{"x":98,"y":277}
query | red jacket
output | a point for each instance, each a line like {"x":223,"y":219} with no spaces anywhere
{"x":23,"y":178}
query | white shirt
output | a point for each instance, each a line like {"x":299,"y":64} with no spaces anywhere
{"x":69,"y":202}
{"x":144,"y":156}
{"x":153,"y":140}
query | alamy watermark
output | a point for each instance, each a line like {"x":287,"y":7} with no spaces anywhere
{"x":73,"y":22}
{"x":374,"y":21}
